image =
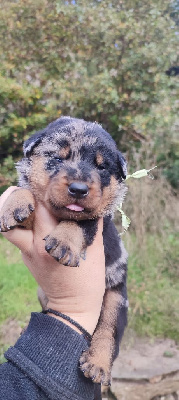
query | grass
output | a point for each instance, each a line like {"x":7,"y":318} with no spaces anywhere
{"x":17,"y":286}
{"x":153,"y":286}
{"x":18,"y":291}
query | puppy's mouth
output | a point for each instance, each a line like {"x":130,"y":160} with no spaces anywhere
{"x":77,"y":209}
{"x":74,"y":207}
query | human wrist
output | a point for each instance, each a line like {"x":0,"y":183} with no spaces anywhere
{"x":65,"y":322}
{"x":83,"y":314}
{"x":68,"y":321}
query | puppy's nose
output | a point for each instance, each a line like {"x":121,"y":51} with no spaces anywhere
{"x":78,"y":190}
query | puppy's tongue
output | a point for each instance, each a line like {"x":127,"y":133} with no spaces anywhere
{"x":74,"y":207}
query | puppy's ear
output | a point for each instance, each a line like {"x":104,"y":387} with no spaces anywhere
{"x":32,"y":142}
{"x":122,"y":166}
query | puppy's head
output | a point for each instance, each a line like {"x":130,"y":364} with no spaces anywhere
{"x":74,"y":168}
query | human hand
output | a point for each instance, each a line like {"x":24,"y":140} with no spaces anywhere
{"x":76,"y":292}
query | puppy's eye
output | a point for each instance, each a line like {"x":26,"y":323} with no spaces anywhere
{"x":101,"y":167}
{"x":57,"y":159}
{"x":53,"y":163}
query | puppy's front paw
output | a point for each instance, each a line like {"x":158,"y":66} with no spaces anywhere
{"x":96,"y":364}
{"x":65,"y":243}
{"x":11,"y":219}
{"x":17,"y":210}
{"x":61,"y":251}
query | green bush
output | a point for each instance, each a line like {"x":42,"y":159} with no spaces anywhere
{"x":97,"y":60}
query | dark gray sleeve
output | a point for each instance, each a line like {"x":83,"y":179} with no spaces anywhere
{"x":44,"y":363}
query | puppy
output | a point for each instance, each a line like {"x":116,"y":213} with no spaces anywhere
{"x":74,"y":168}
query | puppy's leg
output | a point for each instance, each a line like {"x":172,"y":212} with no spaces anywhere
{"x":96,"y":362}
{"x":43,"y":300}
{"x":18,"y":210}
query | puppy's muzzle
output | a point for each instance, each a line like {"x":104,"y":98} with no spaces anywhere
{"x":78,"y":190}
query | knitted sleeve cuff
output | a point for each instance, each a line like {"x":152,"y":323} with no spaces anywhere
{"x":48,"y":353}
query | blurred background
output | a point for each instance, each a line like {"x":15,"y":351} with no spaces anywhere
{"x":114,"y":62}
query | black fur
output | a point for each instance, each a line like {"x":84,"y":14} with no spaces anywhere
{"x":89,"y":230}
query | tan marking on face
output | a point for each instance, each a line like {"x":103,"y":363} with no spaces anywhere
{"x":38,"y":178}
{"x":99,"y":158}
{"x":64,"y":152}
{"x":57,"y":190}
{"x":58,"y":195}
{"x":108,"y":196}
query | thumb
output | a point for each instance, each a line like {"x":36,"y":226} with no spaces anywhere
{"x":44,"y":222}
{"x":19,"y":237}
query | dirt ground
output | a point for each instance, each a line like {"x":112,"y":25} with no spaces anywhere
{"x":146,"y":369}
{"x":143,"y":358}
{"x":10,"y":331}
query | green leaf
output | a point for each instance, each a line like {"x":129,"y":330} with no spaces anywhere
{"x":125,"y":220}
{"x":141,"y":173}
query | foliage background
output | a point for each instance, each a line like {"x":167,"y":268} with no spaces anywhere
{"x":104,"y":61}
{"x":100,"y":60}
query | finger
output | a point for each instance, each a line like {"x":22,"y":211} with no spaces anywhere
{"x":6,"y":194}
{"x":44,"y":222}
{"x":18,"y":236}
{"x":21,"y":238}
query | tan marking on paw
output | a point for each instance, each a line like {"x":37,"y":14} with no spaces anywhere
{"x":65,"y":243}
{"x":96,"y":362}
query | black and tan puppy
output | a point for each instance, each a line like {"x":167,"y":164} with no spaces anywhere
{"x":74,"y":168}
